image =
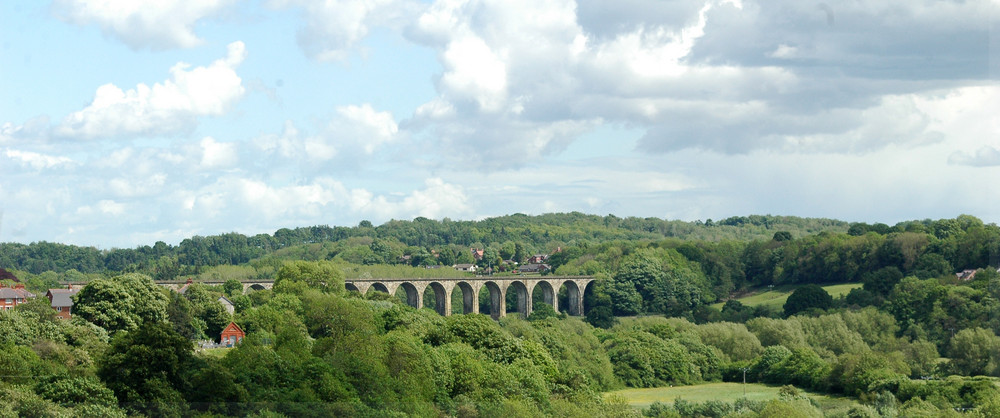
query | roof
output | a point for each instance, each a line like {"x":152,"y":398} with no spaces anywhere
{"x":232,"y":327}
{"x":61,"y":297}
{"x":225,"y":300}
{"x":534,"y":267}
{"x":9,"y":293}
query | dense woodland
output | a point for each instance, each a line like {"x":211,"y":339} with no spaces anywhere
{"x":913,"y":340}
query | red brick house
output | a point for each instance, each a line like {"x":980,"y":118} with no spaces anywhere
{"x":232,"y":335}
{"x":13,"y":296}
{"x":537,"y":259}
{"x":62,"y":301}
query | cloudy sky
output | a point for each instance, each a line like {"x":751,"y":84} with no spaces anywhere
{"x":124,"y":123}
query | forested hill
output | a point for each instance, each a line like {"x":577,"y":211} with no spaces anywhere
{"x":542,"y":233}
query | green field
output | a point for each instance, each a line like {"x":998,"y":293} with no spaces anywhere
{"x":729,"y":392}
{"x":776,"y":296}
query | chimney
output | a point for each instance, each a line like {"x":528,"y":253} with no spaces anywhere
{"x":19,"y":286}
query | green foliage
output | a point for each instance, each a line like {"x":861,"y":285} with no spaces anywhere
{"x":320,"y":275}
{"x":807,"y":297}
{"x":145,"y":368}
{"x":975,"y":352}
{"x":734,"y":340}
{"x":121,"y":303}
{"x":65,"y":389}
{"x":647,"y":353}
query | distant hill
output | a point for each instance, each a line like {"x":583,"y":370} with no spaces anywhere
{"x":541,"y":233}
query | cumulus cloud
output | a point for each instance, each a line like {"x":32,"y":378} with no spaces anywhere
{"x":157,"y":25}
{"x":169,"y":107}
{"x":36,"y":160}
{"x":351,"y":135}
{"x":364,"y":126}
{"x":726,"y":76}
{"x":261,"y":202}
{"x":216,"y":154}
{"x":333,"y":27}
{"x":134,"y":187}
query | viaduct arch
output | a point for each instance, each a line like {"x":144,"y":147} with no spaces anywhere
{"x":498,"y":288}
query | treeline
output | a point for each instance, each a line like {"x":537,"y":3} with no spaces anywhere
{"x":313,"y":349}
{"x":679,"y":277}
{"x":542,"y":233}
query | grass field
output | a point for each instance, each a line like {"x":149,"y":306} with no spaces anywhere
{"x":642,"y":398}
{"x":214,"y":352}
{"x":776,"y":296}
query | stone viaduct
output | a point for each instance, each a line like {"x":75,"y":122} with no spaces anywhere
{"x":498,"y":287}
{"x":414,"y":289}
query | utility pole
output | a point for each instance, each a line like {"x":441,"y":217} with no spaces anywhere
{"x":744,"y":381}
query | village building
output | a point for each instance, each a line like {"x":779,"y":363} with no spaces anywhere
{"x":533,"y":268}
{"x":537,"y":259}
{"x":62,"y":301}
{"x":465,"y":267}
{"x":231,"y":335}
{"x":13,"y":296}
{"x":478,"y":254}
{"x":226,"y":303}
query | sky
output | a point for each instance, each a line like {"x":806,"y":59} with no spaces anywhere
{"x":123,"y":123}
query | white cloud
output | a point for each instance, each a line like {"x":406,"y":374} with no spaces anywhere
{"x":260,"y":202}
{"x":103,"y":207}
{"x":36,"y":160}
{"x":364,"y":125}
{"x":158,"y":25}
{"x":216,"y":154}
{"x":333,"y":27}
{"x":165,"y":108}
{"x":474,"y":73}
{"x":133,"y":187}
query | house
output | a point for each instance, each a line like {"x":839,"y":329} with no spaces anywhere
{"x":465,"y":267}
{"x":478,"y":254}
{"x":62,"y":301}
{"x":13,"y":296}
{"x":226,"y":303}
{"x":966,"y":275}
{"x":533,"y":268}
{"x":537,"y":259}
{"x":231,"y":335}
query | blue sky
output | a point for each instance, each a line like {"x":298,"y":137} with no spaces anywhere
{"x":122,"y":123}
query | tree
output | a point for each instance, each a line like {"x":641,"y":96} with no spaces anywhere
{"x":974,"y":352}
{"x":121,"y":303}
{"x":322,"y":275}
{"x":232,"y":287}
{"x":807,"y":297}
{"x":601,"y":317}
{"x":782,"y":236}
{"x":882,"y":280}
{"x":146,"y":367}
